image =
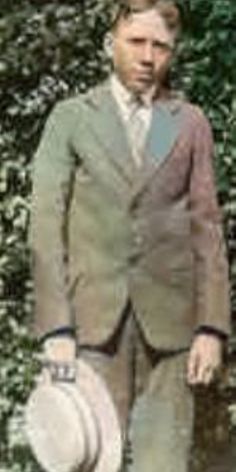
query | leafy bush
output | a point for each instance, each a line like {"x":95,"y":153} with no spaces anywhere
{"x":50,"y":50}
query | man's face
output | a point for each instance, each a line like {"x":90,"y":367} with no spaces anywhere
{"x":142,"y":50}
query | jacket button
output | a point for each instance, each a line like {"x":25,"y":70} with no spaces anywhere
{"x":138,"y":240}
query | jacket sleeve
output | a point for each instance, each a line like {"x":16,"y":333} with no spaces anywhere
{"x":210,"y":260}
{"x":52,"y":176}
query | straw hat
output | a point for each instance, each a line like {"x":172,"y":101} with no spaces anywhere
{"x":74,"y":426}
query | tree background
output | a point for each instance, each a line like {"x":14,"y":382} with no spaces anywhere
{"x":50,"y":50}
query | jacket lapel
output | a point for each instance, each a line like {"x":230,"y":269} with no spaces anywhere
{"x":106,"y":125}
{"x":165,"y":129}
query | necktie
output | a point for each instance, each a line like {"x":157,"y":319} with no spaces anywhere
{"x":137,"y":131}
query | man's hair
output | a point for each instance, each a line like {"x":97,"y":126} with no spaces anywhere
{"x":168,"y":9}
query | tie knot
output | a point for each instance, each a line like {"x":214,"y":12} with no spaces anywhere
{"x":138,"y":102}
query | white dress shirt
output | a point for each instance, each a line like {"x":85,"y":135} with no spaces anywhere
{"x":128,"y":106}
{"x":125,"y":100}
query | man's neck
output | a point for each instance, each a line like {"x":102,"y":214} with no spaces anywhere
{"x":146,"y":97}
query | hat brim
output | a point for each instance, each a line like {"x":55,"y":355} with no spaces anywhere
{"x":90,"y":426}
{"x":96,"y":393}
{"x":54,"y":435}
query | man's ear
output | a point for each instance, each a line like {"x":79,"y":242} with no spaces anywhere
{"x":108,"y":45}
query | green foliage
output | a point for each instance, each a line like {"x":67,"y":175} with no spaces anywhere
{"x":50,"y":50}
{"x":209,"y":77}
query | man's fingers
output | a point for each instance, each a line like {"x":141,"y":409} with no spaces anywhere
{"x":198,"y":373}
{"x":207,"y":376}
{"x":192,"y":368}
{"x":201,"y":375}
{"x":60,"y":349}
{"x":204,"y":360}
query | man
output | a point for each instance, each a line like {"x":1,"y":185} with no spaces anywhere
{"x":129,"y":256}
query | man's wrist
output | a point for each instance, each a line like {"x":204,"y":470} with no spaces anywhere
{"x":211,"y":331}
{"x":60,"y":347}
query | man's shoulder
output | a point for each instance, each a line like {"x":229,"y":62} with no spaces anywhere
{"x":193,"y":114}
{"x":80,"y":102}
{"x":179,"y":99}
{"x":196,"y":116}
{"x":70,"y":105}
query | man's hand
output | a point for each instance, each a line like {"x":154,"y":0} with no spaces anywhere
{"x":205,"y":359}
{"x":60,"y":349}
{"x":59,"y":358}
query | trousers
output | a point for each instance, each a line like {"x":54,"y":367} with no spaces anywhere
{"x":153,"y":401}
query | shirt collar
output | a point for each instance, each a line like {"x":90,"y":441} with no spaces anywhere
{"x":126,"y":98}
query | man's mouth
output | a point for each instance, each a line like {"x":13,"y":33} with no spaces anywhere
{"x":145,"y":75}
{"x":145,"y":78}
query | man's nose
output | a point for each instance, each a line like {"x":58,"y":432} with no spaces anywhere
{"x":147,"y":56}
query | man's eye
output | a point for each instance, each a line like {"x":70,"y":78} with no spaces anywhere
{"x":136,"y":41}
{"x":162,"y":46}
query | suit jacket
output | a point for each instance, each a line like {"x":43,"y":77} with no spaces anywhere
{"x":103,"y":230}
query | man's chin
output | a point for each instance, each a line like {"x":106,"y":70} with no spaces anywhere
{"x":141,"y":86}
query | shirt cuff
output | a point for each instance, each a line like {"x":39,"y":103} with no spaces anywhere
{"x":66,"y":331}
{"x":212,"y":331}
